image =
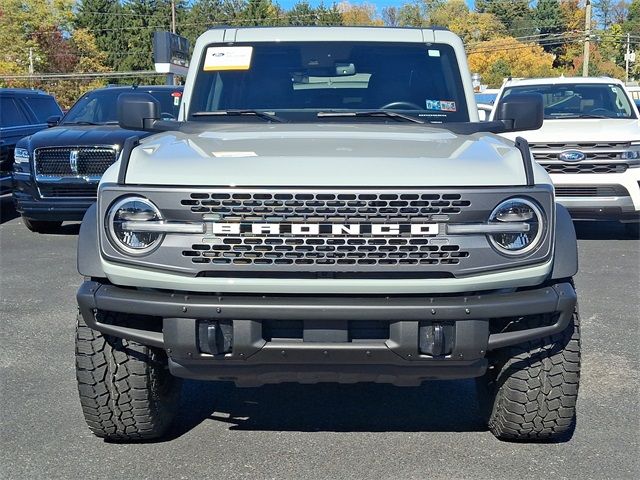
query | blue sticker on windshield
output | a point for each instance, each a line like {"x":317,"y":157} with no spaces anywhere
{"x":441,"y":105}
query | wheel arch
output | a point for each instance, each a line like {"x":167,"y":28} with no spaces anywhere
{"x":88,"y":261}
{"x":565,"y":254}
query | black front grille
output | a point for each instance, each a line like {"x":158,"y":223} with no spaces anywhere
{"x":325,"y":251}
{"x":68,"y":190}
{"x":585,"y":167}
{"x":591,"y":191}
{"x":335,"y":208}
{"x":56,"y":161}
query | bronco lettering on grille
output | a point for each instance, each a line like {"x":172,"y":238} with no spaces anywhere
{"x":337,"y":229}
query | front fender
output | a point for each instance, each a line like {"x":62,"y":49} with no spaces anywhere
{"x":89,"y":263}
{"x":565,"y":254}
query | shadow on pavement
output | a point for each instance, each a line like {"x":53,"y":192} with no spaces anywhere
{"x":7,"y":212}
{"x":448,"y":406}
{"x":602,"y":231}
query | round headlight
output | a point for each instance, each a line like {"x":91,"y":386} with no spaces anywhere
{"x":122,"y":219}
{"x":528,"y":226}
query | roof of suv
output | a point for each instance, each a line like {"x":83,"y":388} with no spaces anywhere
{"x":562,"y":80}
{"x":21,"y":91}
{"x":140,"y":87}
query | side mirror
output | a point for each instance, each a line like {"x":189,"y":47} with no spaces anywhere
{"x":53,"y":120}
{"x":137,"y":111}
{"x":519,"y":112}
{"x":484,"y":112}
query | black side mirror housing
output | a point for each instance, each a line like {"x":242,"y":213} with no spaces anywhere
{"x":138,"y":111}
{"x":53,"y":120}
{"x":520,"y":112}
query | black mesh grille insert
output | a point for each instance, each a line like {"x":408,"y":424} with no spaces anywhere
{"x":57,"y":162}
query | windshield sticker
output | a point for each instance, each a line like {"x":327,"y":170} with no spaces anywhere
{"x":227,"y":58}
{"x":234,"y":154}
{"x":434,"y":53}
{"x":441,"y":105}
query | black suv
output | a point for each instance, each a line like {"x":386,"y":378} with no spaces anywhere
{"x":22,"y":113}
{"x":56,"y":171}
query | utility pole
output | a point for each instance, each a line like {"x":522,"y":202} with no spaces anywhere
{"x":31,"y":66}
{"x":173,"y":16}
{"x":171,"y":78}
{"x":628,"y":57}
{"x":587,"y":31}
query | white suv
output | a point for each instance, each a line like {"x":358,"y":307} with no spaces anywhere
{"x":589,"y":143}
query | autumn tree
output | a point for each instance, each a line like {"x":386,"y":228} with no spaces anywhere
{"x":498,"y":59}
{"x":359,"y":14}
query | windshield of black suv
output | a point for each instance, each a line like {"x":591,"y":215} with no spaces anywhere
{"x":580,"y":100}
{"x":100,"y":107}
{"x":307,"y":80}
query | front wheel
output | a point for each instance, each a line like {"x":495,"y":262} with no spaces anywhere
{"x":529,"y":392}
{"x":126,"y":390}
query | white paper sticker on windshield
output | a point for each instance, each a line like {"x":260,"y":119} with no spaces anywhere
{"x":227,"y":58}
{"x":234,"y":154}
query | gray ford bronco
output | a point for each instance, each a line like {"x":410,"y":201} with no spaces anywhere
{"x":327,"y":209}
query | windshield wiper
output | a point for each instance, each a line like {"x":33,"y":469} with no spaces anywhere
{"x":80,"y":123}
{"x":371,"y":113}
{"x":257,"y":113}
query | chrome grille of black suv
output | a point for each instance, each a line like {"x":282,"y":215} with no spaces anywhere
{"x":91,"y":162}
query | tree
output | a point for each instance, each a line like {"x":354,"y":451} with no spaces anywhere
{"x":515,"y":15}
{"x":360,"y":14}
{"x":261,"y":13}
{"x":507,"y":57}
{"x":551,"y":24}
{"x":104,"y":19}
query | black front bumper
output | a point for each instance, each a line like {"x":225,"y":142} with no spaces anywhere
{"x":30,"y":204}
{"x":325,"y":352}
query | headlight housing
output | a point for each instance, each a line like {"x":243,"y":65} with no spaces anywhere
{"x":21,"y":155}
{"x":129,"y":211}
{"x":528,"y":222}
{"x":633,"y":154}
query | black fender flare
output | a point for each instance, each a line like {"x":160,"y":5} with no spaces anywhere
{"x":565,"y":254}
{"x":89,"y":263}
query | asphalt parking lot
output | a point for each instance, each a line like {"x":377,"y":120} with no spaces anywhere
{"x":319,"y":431}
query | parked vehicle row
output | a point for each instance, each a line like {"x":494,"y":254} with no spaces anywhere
{"x":22,"y":113}
{"x":57,"y":170}
{"x":589,"y":143}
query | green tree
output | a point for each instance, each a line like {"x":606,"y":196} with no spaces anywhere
{"x":104,"y":19}
{"x":515,"y":15}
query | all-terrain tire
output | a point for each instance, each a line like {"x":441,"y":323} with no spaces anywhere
{"x":40,"y":226}
{"x":530,"y":391}
{"x":126,"y":390}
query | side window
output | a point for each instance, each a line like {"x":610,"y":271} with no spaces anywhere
{"x":43,"y":107}
{"x":10,"y":113}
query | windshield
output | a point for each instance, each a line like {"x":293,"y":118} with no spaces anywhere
{"x":299,"y":80}
{"x":100,"y":107}
{"x":580,"y":100}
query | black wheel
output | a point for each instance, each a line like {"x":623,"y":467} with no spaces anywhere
{"x":632,"y":230}
{"x":40,"y":226}
{"x":126,"y":390}
{"x":529,"y":392}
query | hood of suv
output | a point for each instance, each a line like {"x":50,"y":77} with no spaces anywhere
{"x":586,"y":130}
{"x":324,"y":155}
{"x":81,"y":136}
